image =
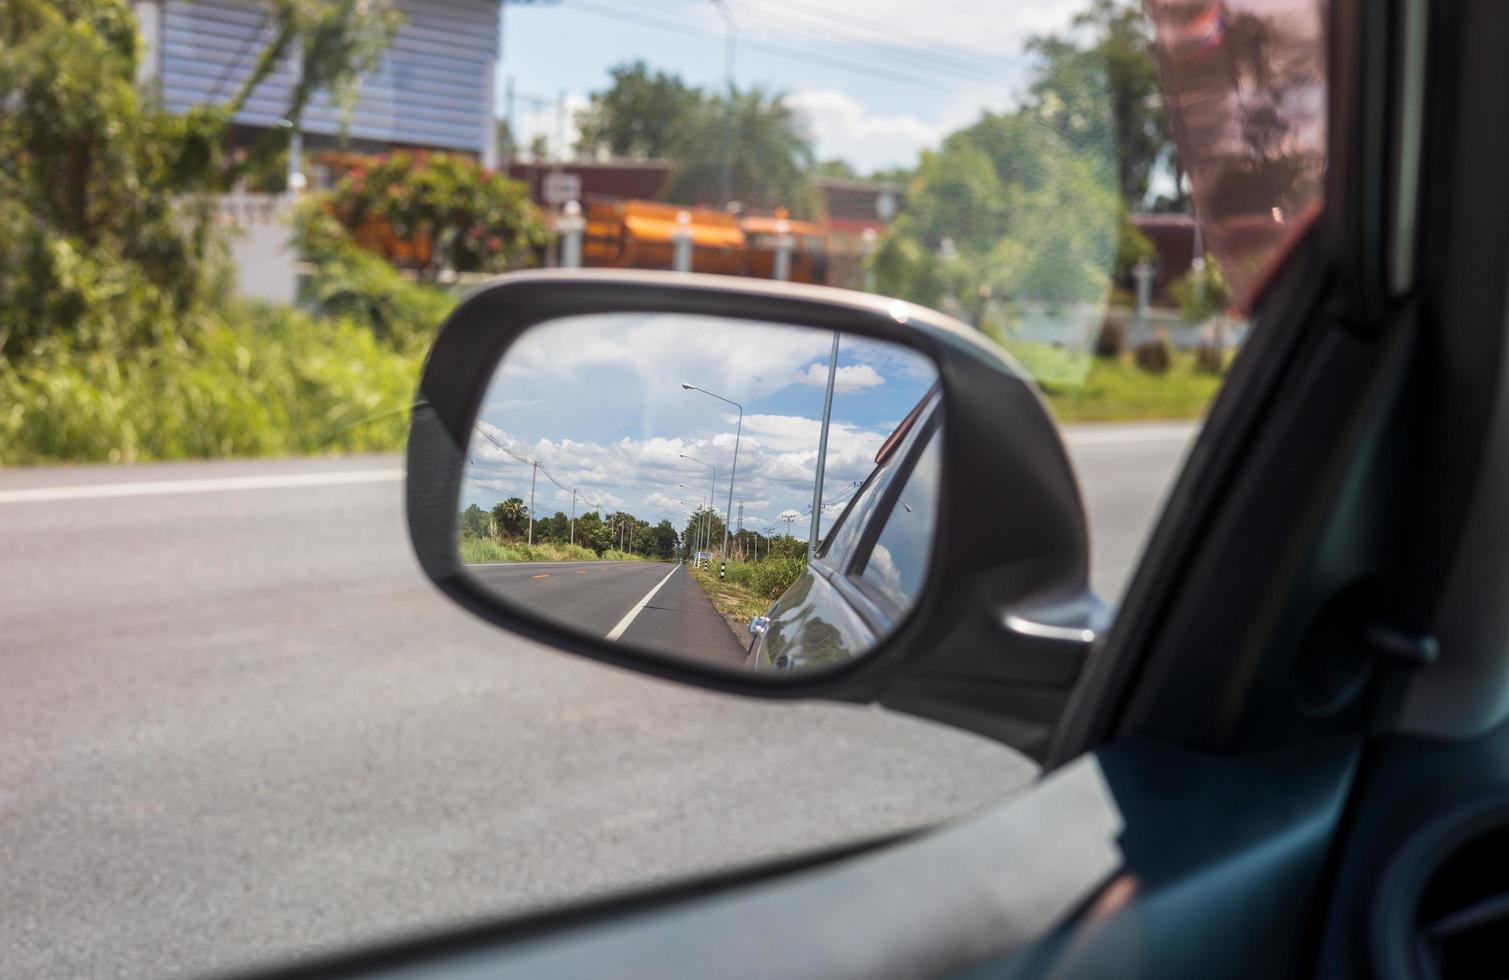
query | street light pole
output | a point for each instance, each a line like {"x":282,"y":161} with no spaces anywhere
{"x":712,"y":494}
{"x":734,"y":473}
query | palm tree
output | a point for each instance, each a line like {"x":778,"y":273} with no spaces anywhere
{"x":771,"y":154}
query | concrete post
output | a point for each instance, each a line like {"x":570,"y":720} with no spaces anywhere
{"x":783,"y":246}
{"x":681,"y":240}
{"x":571,"y":225}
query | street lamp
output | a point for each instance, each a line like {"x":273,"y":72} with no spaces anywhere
{"x":733,"y":474}
{"x":708,"y":519}
{"x":707,"y":502}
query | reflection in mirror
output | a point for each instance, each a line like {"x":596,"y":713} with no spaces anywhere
{"x":661,"y":479}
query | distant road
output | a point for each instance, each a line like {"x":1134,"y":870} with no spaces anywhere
{"x":236,"y":723}
{"x":650,"y":603}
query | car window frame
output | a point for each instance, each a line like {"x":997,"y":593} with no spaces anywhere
{"x":930,"y":429}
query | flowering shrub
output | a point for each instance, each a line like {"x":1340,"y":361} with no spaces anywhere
{"x":446,"y":210}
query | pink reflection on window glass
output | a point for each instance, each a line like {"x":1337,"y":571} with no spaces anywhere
{"x":1245,"y":85}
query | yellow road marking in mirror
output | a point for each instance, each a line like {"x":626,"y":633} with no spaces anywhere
{"x":546,"y":575}
{"x":581,"y":571}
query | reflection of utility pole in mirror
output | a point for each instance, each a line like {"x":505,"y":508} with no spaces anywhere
{"x":822,"y":451}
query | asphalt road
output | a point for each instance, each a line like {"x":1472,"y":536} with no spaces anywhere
{"x":648,"y":603}
{"x":237,"y":725}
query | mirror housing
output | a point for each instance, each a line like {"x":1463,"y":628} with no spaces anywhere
{"x":1002,"y":628}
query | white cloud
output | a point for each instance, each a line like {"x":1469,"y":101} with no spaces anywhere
{"x":842,"y":127}
{"x":847,"y":379}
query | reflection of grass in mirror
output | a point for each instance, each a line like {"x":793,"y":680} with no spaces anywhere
{"x":750,"y":587}
{"x":737,"y":602}
{"x":476,"y":551}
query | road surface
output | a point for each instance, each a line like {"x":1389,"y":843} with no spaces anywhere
{"x":236,"y":724}
{"x":649,"y":603}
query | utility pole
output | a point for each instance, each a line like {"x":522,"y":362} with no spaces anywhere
{"x":534,"y":471}
{"x":740,"y":530}
{"x":822,"y":453}
{"x":573,"y":518}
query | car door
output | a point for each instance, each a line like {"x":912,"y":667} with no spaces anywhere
{"x":1286,"y":755}
{"x":831,"y":612}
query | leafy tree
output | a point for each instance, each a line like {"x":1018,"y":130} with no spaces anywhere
{"x":662,"y":540}
{"x":509,"y":518}
{"x":639,"y":116}
{"x":765,"y":144}
{"x":1104,"y":97}
{"x":105,"y":238}
{"x":695,"y":536}
{"x":841,"y":169}
{"x":473,"y":522}
{"x":1009,"y":206}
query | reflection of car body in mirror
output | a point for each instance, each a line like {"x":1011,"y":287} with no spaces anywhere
{"x":868,"y":570}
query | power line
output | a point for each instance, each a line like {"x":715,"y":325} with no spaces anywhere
{"x":921,"y":55}
{"x":796,"y":54}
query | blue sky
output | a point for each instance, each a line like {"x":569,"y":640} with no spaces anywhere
{"x":877,"y":80}
{"x":598,"y":400}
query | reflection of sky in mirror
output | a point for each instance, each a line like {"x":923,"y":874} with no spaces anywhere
{"x":597,"y":400}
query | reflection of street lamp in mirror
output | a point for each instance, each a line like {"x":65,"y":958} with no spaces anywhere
{"x":732,"y":475}
{"x":707,"y":518}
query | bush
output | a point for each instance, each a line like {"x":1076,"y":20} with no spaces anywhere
{"x":351,"y":283}
{"x":445,"y":211}
{"x":1209,"y":359}
{"x":258,"y":380}
{"x":1156,"y":355}
{"x":768,"y":577}
{"x":1111,"y":340}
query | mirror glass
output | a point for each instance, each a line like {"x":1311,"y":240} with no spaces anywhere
{"x":652,"y":478}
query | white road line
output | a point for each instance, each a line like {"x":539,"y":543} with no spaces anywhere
{"x":155,"y":488}
{"x":623,"y":624}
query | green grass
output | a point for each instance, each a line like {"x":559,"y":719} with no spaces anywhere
{"x":476,"y":551}
{"x":1082,"y":388}
{"x":735,"y":601}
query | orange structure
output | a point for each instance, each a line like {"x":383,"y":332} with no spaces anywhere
{"x":642,"y":235}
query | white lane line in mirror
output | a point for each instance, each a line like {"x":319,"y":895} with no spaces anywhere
{"x":153,"y":488}
{"x":623,"y":624}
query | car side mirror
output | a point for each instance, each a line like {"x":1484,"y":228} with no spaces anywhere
{"x":625,"y":465}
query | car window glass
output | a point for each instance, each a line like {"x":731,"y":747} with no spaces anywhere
{"x":896,"y":566}
{"x":230,"y":228}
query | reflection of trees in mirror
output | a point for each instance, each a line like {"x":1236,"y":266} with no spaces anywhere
{"x":501,"y":534}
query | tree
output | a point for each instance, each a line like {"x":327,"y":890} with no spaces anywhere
{"x":473,"y":522}
{"x":639,"y":116}
{"x":509,"y":518}
{"x":663,"y":541}
{"x":709,"y":538}
{"x":1105,"y":98}
{"x":764,"y":143}
{"x":1006,"y":206}
{"x":105,"y":239}
{"x":841,"y":169}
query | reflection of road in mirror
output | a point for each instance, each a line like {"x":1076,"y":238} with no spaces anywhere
{"x":647,"y":603}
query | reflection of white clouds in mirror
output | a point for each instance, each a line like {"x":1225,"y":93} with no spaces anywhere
{"x":849,"y":378}
{"x":881,"y":570}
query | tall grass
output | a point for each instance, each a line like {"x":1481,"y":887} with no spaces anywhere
{"x":475,"y":551}
{"x":273,"y":381}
